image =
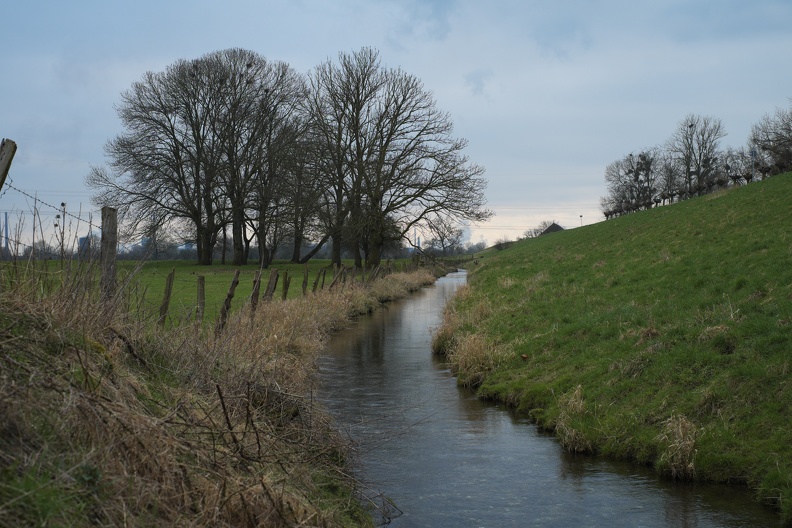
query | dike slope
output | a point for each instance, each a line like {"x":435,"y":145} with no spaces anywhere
{"x":662,"y":337}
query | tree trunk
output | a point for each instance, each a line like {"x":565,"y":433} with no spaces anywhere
{"x":205,"y":246}
{"x":335,"y":256}
{"x":315,"y":250}
{"x":237,"y":231}
{"x":295,"y":258}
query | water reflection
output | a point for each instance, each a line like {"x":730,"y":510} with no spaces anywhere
{"x":449,"y":459}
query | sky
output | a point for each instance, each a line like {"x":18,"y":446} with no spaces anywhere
{"x":547,"y":93}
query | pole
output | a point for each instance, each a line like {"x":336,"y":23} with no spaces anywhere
{"x":7,"y":150}
{"x":108,"y":252}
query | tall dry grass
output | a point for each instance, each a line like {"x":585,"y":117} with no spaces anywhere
{"x":572,"y":407}
{"x":109,"y":419}
{"x":679,"y":438}
{"x":471,"y":356}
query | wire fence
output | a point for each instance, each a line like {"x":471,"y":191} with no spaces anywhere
{"x":53,"y":230}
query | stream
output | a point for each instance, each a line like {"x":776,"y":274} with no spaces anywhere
{"x":432,"y":454}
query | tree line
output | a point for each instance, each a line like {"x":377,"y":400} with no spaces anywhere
{"x":692,"y":163}
{"x":234,"y":146}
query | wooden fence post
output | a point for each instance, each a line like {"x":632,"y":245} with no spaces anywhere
{"x":286,"y":283}
{"x":167,"y":297}
{"x":254,"y":296}
{"x":305,"y":280}
{"x":319,"y":274}
{"x":107,"y":283}
{"x":199,"y":310}
{"x":221,"y":321}
{"x":7,"y":150}
{"x":273,"y":282}
{"x":337,"y":277}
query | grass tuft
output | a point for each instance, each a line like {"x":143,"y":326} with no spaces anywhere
{"x":678,"y":437}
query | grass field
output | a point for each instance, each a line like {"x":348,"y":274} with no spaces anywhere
{"x":663,"y":337}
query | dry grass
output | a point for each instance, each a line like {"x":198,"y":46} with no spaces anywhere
{"x":571,"y":408}
{"x":108,"y":419}
{"x":678,"y":438}
{"x":473,"y":358}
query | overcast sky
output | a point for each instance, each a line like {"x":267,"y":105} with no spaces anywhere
{"x":546,"y":92}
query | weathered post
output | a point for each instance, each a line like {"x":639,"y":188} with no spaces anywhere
{"x":107,"y":283}
{"x":305,"y":280}
{"x":337,"y":277}
{"x":286,"y":283}
{"x":318,"y":278}
{"x":7,"y":150}
{"x":221,"y":321}
{"x":167,"y":297}
{"x":199,"y":310}
{"x":254,"y":296}
{"x":273,"y":282}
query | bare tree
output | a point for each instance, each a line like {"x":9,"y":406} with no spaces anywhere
{"x":392,"y":159}
{"x":411,"y":166}
{"x":446,"y":235}
{"x":167,"y":165}
{"x":772,"y":136}
{"x":632,"y":183}
{"x":695,"y":147}
{"x":198,"y":144}
{"x":337,"y":96}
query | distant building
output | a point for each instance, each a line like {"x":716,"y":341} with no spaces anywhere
{"x":84,"y":247}
{"x":552,"y":228}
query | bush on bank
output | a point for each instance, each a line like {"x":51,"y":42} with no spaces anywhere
{"x":108,"y":419}
{"x":662,"y":337}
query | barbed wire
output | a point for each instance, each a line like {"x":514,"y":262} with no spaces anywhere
{"x":60,"y":210}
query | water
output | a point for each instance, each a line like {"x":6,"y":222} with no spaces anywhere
{"x":446,"y":458}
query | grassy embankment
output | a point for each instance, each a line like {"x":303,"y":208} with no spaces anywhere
{"x":108,"y":419}
{"x":662,"y":337}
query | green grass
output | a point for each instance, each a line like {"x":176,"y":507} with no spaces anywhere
{"x":680,"y":311}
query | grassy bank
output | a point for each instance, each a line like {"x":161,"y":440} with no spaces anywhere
{"x":108,"y":419}
{"x":662,"y":337}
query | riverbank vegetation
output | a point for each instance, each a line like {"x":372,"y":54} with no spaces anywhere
{"x":108,"y":418}
{"x":662,"y":337}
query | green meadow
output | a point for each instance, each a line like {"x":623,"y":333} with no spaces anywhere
{"x":663,"y":337}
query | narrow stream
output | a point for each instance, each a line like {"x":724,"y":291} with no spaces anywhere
{"x":445,"y":458}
